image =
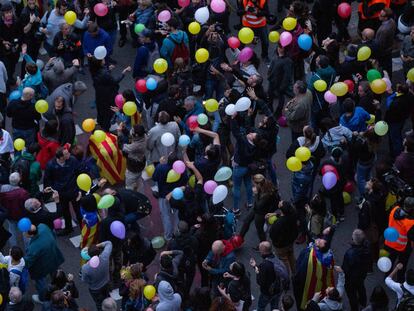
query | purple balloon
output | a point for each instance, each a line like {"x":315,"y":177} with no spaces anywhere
{"x":245,"y":54}
{"x":209,"y":186}
{"x":329,"y":180}
{"x":330,"y":97}
{"x":179,"y":166}
{"x":118,"y":229}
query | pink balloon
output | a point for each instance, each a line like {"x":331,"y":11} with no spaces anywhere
{"x":183,"y":3}
{"x":218,"y":6}
{"x":233,"y":42}
{"x":100,"y":9}
{"x":209,"y":186}
{"x":179,"y":166}
{"x":285,"y":38}
{"x":330,"y":97}
{"x":388,"y":83}
{"x":245,"y":55}
{"x":94,"y":262}
{"x":57,"y":223}
{"x":164,"y":16}
{"x":119,"y":101}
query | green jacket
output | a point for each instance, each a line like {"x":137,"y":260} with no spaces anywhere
{"x":43,"y":256}
{"x":35,"y":172}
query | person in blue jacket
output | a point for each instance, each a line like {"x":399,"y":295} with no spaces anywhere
{"x":95,"y":37}
{"x":354,"y":118}
{"x":143,"y":63}
{"x":169,"y":43}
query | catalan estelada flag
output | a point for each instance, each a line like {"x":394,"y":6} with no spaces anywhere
{"x":318,"y":277}
{"x":109,"y":158}
{"x":89,"y":236}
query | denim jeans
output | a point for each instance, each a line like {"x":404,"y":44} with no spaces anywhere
{"x":41,"y":287}
{"x":112,"y":35}
{"x":396,"y":139}
{"x":27,"y":135}
{"x":214,"y":85}
{"x":264,"y":300}
{"x":241,"y":174}
{"x":363,"y":175}
{"x":169,"y":218}
{"x":263,"y":34}
{"x":272,"y":171}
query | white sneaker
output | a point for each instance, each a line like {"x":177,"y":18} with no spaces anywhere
{"x":36,"y":299}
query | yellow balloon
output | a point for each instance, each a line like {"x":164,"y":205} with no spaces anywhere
{"x":99,"y":136}
{"x":378,"y":86}
{"x":347,"y":197}
{"x":194,"y":28}
{"x":191,"y":181}
{"x":129,"y":108}
{"x":294,"y":164}
{"x":320,"y":85}
{"x":289,"y":23}
{"x":149,"y":169}
{"x":70,"y":17}
{"x":84,"y":182}
{"x":364,"y":53}
{"x":246,"y":35}
{"x":303,"y":154}
{"x":172,"y":176}
{"x":390,"y":201}
{"x":41,"y":106}
{"x":410,"y":74}
{"x":211,"y":105}
{"x":201,"y":55}
{"x":149,"y":291}
{"x":383,"y":253}
{"x":339,"y":88}
{"x":88,"y":125}
{"x":271,"y":220}
{"x":160,"y":65}
{"x":371,"y":120}
{"x":274,"y":36}
{"x":1,"y":299}
{"x":19,"y":144}
{"x":97,"y":197}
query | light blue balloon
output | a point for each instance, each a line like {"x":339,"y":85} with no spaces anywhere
{"x":184,"y":140}
{"x":223,"y":174}
{"x":177,"y":194}
{"x":85,"y":255}
{"x":305,"y":42}
{"x":16,"y":94}
{"x":24,"y":224}
{"x":151,"y":84}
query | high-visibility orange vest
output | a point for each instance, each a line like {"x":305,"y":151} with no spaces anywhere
{"x":402,"y":226}
{"x":250,"y":19}
{"x":372,"y":2}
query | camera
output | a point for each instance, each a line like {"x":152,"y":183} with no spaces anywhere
{"x":396,"y":185}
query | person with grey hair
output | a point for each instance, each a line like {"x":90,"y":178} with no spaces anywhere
{"x":298,"y":109}
{"x":356,"y":264}
{"x":24,"y":116}
{"x":192,"y":108}
{"x":12,"y":198}
{"x":109,"y":304}
{"x":17,"y":302}
{"x":69,"y":91}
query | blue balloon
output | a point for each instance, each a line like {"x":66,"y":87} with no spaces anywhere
{"x":184,"y":140}
{"x":391,"y":234}
{"x":16,"y":94}
{"x":305,"y":42}
{"x":24,"y":224}
{"x":151,"y":84}
{"x":177,"y":194}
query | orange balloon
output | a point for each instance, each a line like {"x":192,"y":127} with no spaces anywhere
{"x":88,"y":125}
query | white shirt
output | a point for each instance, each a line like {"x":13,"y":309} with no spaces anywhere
{"x":396,"y":287}
{"x":6,"y":143}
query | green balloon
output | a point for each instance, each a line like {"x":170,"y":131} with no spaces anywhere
{"x":138,"y":28}
{"x":158,"y":242}
{"x":106,"y":201}
{"x":381,"y":128}
{"x":373,"y":74}
{"x":202,"y":119}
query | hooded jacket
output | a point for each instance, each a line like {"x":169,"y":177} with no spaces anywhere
{"x":55,"y":74}
{"x":35,"y":172}
{"x":64,"y":90}
{"x":334,"y":135}
{"x":48,"y":147}
{"x":168,"y":45}
{"x":357,"y":122}
{"x":169,"y":301}
{"x":221,"y":264}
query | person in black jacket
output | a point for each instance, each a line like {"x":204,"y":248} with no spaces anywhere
{"x":266,"y":201}
{"x":137,"y":249}
{"x":356,"y":264}
{"x":283,"y":234}
{"x":106,"y":88}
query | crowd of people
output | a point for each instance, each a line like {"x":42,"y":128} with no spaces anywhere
{"x":203,"y":118}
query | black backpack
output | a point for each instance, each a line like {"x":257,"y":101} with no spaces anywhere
{"x":407,"y":301}
{"x":22,"y":166}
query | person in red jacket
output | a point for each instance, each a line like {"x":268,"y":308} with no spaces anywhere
{"x":48,"y":141}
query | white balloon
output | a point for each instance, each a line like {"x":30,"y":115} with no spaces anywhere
{"x":230,"y":109}
{"x":219,"y":194}
{"x":167,"y":139}
{"x":100,"y":52}
{"x":243,"y":104}
{"x":384,"y":264}
{"x":202,"y":15}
